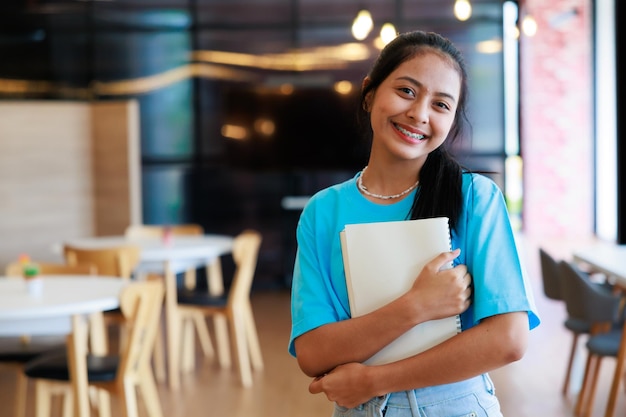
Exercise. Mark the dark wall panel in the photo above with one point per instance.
(245, 66)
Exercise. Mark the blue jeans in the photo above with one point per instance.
(474, 397)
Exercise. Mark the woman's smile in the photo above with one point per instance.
(411, 136)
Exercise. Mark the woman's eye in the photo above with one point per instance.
(407, 90)
(442, 105)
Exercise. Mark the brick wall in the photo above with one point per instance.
(556, 120)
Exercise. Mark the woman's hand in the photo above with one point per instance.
(347, 385)
(439, 293)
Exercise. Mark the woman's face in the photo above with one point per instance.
(412, 111)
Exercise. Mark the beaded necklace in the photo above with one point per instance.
(363, 188)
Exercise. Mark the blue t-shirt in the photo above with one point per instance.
(484, 234)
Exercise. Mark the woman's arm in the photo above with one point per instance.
(495, 342)
(435, 294)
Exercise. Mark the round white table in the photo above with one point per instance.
(182, 252)
(61, 298)
(61, 307)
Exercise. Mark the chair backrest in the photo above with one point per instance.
(141, 303)
(245, 254)
(14, 269)
(586, 300)
(550, 276)
(138, 231)
(118, 261)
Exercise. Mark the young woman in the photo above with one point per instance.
(415, 96)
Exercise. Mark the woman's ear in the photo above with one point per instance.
(367, 101)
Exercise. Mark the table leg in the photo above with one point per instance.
(158, 355)
(215, 282)
(215, 278)
(172, 323)
(188, 346)
(99, 347)
(77, 364)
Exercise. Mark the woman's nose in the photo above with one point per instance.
(418, 111)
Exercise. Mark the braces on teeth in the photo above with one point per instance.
(410, 134)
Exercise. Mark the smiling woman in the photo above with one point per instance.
(415, 99)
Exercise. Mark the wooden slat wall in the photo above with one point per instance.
(49, 186)
(116, 166)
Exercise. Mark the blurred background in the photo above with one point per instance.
(230, 113)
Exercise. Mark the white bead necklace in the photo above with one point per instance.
(363, 188)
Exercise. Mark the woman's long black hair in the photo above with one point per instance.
(440, 191)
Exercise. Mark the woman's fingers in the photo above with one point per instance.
(443, 260)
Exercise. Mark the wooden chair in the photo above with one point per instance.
(121, 375)
(602, 308)
(612, 345)
(117, 261)
(16, 352)
(551, 278)
(234, 305)
(197, 322)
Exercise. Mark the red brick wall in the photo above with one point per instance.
(556, 120)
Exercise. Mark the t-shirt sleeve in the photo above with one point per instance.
(499, 278)
(314, 301)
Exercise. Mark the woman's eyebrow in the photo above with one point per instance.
(420, 85)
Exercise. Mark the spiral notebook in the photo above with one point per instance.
(381, 261)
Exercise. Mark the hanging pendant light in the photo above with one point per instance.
(362, 25)
(388, 33)
(462, 9)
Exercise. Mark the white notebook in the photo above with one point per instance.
(382, 261)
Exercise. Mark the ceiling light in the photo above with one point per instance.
(529, 25)
(234, 132)
(491, 46)
(462, 9)
(362, 25)
(343, 87)
(388, 33)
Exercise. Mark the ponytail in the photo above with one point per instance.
(440, 192)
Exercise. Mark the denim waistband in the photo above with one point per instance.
(435, 394)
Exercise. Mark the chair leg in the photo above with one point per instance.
(51, 389)
(202, 330)
(20, 395)
(215, 283)
(221, 337)
(158, 355)
(580, 402)
(253, 339)
(617, 376)
(570, 363)
(159, 351)
(188, 351)
(43, 399)
(103, 402)
(592, 389)
(238, 333)
(68, 404)
(150, 395)
(128, 400)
